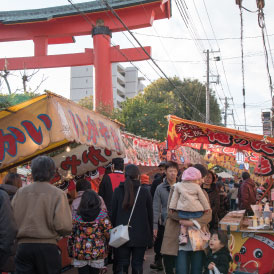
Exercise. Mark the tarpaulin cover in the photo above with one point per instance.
(49, 121)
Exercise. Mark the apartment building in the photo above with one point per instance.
(125, 82)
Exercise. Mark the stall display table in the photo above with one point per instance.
(252, 250)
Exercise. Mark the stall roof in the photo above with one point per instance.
(181, 131)
(184, 132)
(47, 122)
(7, 111)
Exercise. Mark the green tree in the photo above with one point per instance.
(145, 114)
(7, 100)
(87, 102)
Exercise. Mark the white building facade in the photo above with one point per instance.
(125, 83)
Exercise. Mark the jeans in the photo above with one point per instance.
(38, 258)
(169, 263)
(233, 205)
(122, 259)
(190, 262)
(88, 270)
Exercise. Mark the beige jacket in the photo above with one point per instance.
(170, 245)
(42, 213)
(188, 196)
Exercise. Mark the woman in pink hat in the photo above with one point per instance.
(189, 200)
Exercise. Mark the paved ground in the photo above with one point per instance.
(147, 262)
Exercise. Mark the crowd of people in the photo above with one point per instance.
(33, 218)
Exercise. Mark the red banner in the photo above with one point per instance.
(182, 132)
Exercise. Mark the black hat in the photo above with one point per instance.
(202, 169)
(162, 164)
(117, 161)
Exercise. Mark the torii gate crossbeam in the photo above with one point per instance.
(59, 25)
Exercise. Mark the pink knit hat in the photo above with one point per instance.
(191, 174)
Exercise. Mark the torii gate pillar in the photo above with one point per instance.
(103, 94)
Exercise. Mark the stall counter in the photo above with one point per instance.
(252, 250)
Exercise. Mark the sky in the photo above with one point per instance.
(178, 54)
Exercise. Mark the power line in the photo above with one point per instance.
(138, 49)
(242, 54)
(160, 69)
(223, 67)
(200, 39)
(261, 22)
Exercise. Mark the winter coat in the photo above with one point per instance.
(214, 200)
(7, 228)
(42, 213)
(160, 200)
(170, 245)
(157, 181)
(141, 224)
(224, 205)
(9, 265)
(188, 196)
(233, 193)
(10, 189)
(247, 195)
(221, 259)
(89, 240)
(109, 183)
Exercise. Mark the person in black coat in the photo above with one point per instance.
(141, 224)
(218, 255)
(158, 178)
(7, 227)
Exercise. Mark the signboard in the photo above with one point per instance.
(49, 121)
(79, 160)
(140, 151)
(230, 163)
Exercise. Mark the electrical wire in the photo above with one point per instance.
(202, 39)
(154, 62)
(261, 22)
(242, 61)
(223, 67)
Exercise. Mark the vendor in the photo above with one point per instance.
(247, 193)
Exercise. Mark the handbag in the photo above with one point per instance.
(119, 234)
(198, 238)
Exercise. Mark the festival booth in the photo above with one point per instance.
(251, 238)
(50, 122)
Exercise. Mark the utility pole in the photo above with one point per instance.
(207, 89)
(226, 106)
(208, 83)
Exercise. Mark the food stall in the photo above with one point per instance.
(50, 122)
(251, 238)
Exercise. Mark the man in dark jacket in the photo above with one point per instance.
(158, 178)
(7, 227)
(112, 181)
(247, 193)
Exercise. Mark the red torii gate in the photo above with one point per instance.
(59, 25)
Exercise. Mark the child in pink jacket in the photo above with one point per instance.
(188, 199)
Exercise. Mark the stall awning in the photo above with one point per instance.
(182, 131)
(185, 132)
(49, 121)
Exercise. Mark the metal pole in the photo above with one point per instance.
(207, 89)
